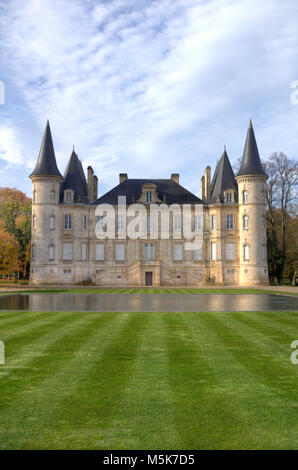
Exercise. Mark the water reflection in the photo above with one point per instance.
(148, 302)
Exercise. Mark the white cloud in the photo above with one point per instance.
(151, 87)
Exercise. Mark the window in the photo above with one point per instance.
(51, 252)
(244, 197)
(34, 222)
(177, 222)
(67, 222)
(230, 222)
(52, 196)
(148, 251)
(230, 251)
(246, 252)
(68, 198)
(229, 197)
(84, 223)
(197, 254)
(52, 222)
(198, 223)
(34, 196)
(148, 196)
(148, 223)
(245, 222)
(67, 251)
(177, 255)
(100, 252)
(84, 251)
(33, 254)
(99, 220)
(213, 224)
(213, 251)
(120, 224)
(120, 252)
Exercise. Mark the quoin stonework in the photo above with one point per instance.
(72, 240)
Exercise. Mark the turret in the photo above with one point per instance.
(46, 180)
(252, 215)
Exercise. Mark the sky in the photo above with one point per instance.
(145, 87)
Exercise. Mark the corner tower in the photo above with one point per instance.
(252, 215)
(46, 180)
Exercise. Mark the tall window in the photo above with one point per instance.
(177, 222)
(197, 222)
(213, 251)
(100, 252)
(230, 221)
(148, 196)
(67, 251)
(177, 252)
(246, 252)
(67, 222)
(245, 222)
(119, 253)
(230, 251)
(51, 252)
(33, 252)
(229, 197)
(84, 222)
(213, 223)
(52, 197)
(99, 220)
(244, 197)
(68, 198)
(52, 222)
(148, 223)
(149, 251)
(197, 254)
(120, 224)
(34, 222)
(84, 251)
(34, 196)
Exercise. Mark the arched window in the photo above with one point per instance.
(52, 222)
(34, 224)
(245, 222)
(246, 252)
(244, 197)
(51, 252)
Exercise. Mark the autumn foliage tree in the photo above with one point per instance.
(15, 227)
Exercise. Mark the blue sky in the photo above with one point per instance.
(145, 87)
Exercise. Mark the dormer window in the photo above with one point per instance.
(68, 198)
(229, 197)
(148, 196)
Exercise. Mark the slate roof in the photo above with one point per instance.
(223, 178)
(251, 163)
(74, 178)
(132, 188)
(46, 164)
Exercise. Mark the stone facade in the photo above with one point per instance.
(66, 250)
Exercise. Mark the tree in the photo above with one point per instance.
(281, 194)
(9, 255)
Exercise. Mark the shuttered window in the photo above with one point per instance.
(177, 255)
(67, 251)
(99, 256)
(120, 252)
(230, 251)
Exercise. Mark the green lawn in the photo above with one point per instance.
(148, 381)
(138, 290)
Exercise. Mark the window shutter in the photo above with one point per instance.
(67, 251)
(99, 252)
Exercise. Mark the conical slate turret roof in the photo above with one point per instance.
(74, 178)
(251, 163)
(223, 178)
(46, 164)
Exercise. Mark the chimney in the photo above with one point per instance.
(203, 188)
(207, 182)
(95, 188)
(175, 177)
(122, 177)
(90, 183)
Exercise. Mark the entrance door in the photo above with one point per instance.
(148, 278)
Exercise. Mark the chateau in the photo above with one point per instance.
(66, 249)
